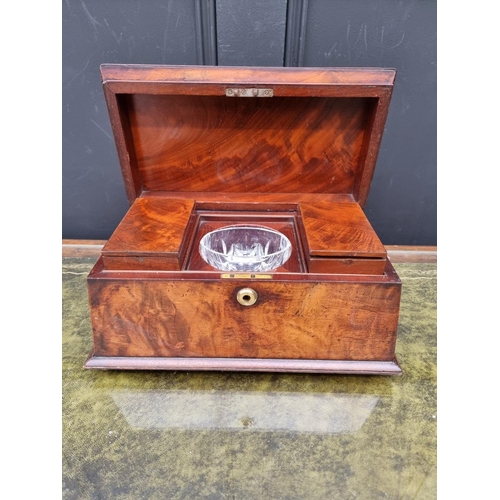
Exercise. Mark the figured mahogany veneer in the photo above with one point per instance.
(340, 239)
(296, 317)
(161, 233)
(177, 131)
(194, 159)
(150, 236)
(185, 143)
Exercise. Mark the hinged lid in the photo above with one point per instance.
(247, 130)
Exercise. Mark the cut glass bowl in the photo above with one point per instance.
(245, 248)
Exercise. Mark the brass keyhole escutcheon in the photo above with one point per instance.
(247, 296)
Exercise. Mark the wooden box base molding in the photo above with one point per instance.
(247, 365)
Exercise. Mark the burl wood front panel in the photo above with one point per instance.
(291, 320)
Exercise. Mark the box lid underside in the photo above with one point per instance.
(177, 131)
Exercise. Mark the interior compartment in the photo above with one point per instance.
(163, 234)
(284, 222)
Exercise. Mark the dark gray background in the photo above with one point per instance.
(377, 33)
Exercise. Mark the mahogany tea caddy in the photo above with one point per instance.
(289, 149)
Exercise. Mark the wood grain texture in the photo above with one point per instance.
(346, 266)
(176, 131)
(151, 235)
(370, 148)
(126, 154)
(338, 239)
(193, 143)
(339, 229)
(352, 77)
(253, 200)
(163, 233)
(291, 320)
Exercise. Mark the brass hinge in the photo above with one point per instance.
(249, 92)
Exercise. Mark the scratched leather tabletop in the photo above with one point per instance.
(208, 435)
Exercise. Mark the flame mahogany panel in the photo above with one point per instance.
(151, 235)
(278, 144)
(339, 229)
(156, 233)
(323, 122)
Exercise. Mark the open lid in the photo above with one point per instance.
(247, 130)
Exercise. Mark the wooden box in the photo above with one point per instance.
(292, 149)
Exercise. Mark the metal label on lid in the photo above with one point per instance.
(249, 92)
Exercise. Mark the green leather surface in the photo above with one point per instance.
(208, 435)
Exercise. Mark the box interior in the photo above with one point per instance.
(163, 233)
